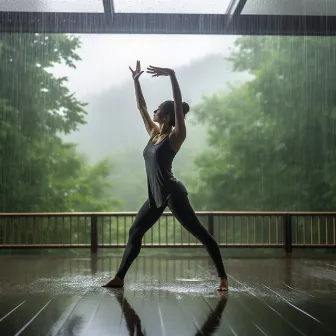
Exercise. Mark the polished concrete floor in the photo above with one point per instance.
(59, 295)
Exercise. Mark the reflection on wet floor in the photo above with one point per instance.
(57, 295)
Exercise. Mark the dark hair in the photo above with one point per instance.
(169, 106)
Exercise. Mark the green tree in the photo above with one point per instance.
(38, 171)
(272, 141)
(233, 173)
(73, 185)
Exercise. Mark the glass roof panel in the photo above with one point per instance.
(172, 6)
(85, 6)
(290, 7)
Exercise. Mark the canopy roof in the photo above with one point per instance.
(241, 17)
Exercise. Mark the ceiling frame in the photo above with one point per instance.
(233, 11)
(110, 22)
(108, 7)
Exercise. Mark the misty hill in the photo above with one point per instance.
(114, 123)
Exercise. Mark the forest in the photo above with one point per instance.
(261, 138)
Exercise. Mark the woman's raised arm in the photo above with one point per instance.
(151, 127)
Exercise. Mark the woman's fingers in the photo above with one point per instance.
(152, 70)
(154, 73)
(138, 74)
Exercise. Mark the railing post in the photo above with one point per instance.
(287, 233)
(94, 234)
(211, 224)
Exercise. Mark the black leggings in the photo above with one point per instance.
(179, 205)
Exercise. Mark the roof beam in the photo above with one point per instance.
(134, 23)
(122, 23)
(108, 7)
(233, 12)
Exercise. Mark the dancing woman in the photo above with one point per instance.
(167, 132)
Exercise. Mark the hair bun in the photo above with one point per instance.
(185, 107)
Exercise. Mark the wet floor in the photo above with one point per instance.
(57, 295)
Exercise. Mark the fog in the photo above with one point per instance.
(102, 78)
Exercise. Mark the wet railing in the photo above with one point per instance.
(230, 229)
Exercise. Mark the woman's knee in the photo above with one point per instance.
(207, 239)
(134, 235)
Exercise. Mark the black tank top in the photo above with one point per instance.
(160, 179)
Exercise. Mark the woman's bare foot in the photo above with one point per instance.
(115, 283)
(223, 284)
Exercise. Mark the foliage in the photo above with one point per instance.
(38, 171)
(85, 188)
(272, 140)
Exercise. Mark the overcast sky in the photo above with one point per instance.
(105, 58)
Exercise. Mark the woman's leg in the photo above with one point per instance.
(144, 220)
(180, 207)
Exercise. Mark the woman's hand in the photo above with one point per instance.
(156, 71)
(137, 73)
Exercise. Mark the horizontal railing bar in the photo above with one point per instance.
(313, 245)
(133, 213)
(191, 245)
(33, 246)
(169, 245)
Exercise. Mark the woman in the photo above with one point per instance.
(163, 188)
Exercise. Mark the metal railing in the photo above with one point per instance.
(230, 229)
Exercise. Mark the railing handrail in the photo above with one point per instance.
(202, 213)
(283, 220)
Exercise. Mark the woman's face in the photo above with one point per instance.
(160, 115)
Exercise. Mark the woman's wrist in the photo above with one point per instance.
(171, 73)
